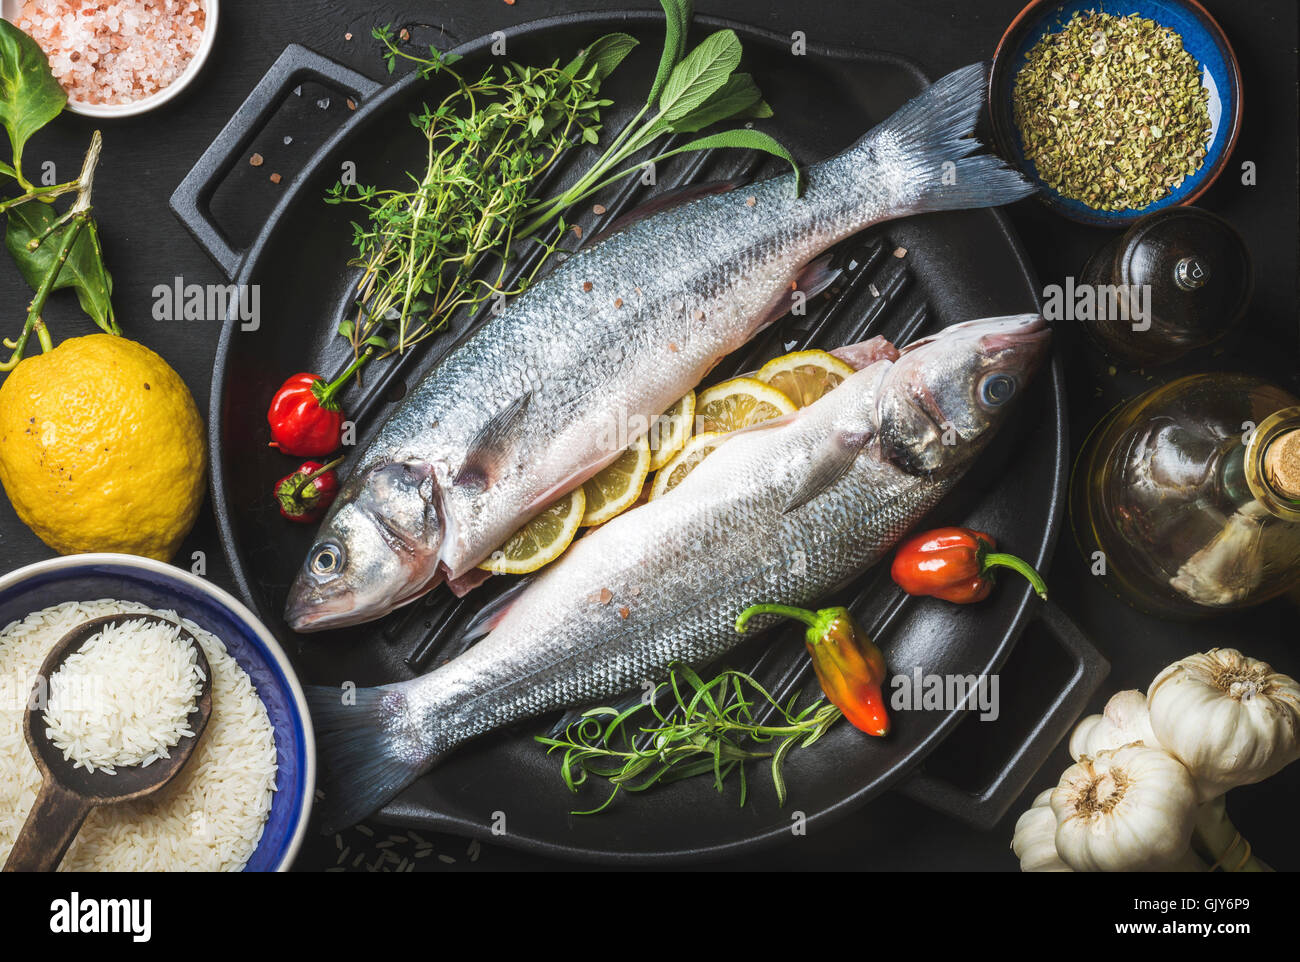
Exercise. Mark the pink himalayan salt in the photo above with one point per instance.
(115, 51)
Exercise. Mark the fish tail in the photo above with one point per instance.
(935, 132)
(367, 748)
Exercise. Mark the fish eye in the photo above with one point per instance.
(997, 389)
(327, 559)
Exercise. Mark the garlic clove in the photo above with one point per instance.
(1124, 721)
(1081, 737)
(1230, 719)
(1035, 838)
(1127, 809)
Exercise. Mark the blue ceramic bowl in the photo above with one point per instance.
(1202, 38)
(89, 577)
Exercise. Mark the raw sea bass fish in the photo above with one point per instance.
(547, 394)
(784, 512)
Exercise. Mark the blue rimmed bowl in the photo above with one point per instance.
(89, 577)
(1202, 37)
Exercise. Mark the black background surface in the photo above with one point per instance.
(144, 159)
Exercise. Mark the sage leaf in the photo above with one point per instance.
(745, 139)
(30, 97)
(737, 98)
(678, 14)
(700, 75)
(604, 53)
(83, 271)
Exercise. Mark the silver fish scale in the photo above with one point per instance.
(704, 280)
(665, 582)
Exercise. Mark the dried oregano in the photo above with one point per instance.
(1112, 111)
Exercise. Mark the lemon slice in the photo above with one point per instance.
(617, 486)
(687, 460)
(668, 435)
(542, 539)
(805, 376)
(738, 403)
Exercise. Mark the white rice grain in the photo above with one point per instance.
(124, 697)
(210, 818)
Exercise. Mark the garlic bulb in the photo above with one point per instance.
(1035, 839)
(1129, 809)
(1122, 722)
(1230, 719)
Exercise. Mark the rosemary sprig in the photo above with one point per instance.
(706, 727)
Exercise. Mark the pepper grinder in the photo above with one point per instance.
(1197, 278)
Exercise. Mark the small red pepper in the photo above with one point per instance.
(307, 494)
(306, 420)
(848, 664)
(955, 564)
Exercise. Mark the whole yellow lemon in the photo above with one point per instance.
(101, 448)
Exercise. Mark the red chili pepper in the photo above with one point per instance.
(305, 419)
(307, 494)
(848, 664)
(955, 564)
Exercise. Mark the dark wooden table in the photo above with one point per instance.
(146, 157)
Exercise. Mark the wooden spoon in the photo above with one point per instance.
(69, 794)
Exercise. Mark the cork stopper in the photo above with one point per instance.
(1282, 465)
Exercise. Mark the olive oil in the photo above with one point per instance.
(1186, 499)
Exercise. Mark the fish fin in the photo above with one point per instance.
(813, 278)
(483, 459)
(866, 353)
(490, 615)
(364, 761)
(829, 463)
(462, 585)
(938, 127)
(666, 201)
(817, 275)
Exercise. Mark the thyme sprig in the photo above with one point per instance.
(486, 143)
(688, 727)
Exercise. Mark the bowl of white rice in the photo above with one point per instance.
(243, 800)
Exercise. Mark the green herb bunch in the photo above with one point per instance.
(487, 142)
(52, 250)
(691, 91)
(689, 727)
(422, 247)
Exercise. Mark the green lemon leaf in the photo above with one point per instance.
(700, 75)
(30, 97)
(83, 271)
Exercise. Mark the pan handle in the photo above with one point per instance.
(983, 810)
(191, 201)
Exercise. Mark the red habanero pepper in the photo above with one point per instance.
(849, 666)
(955, 564)
(307, 494)
(306, 420)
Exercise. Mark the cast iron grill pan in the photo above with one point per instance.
(901, 280)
